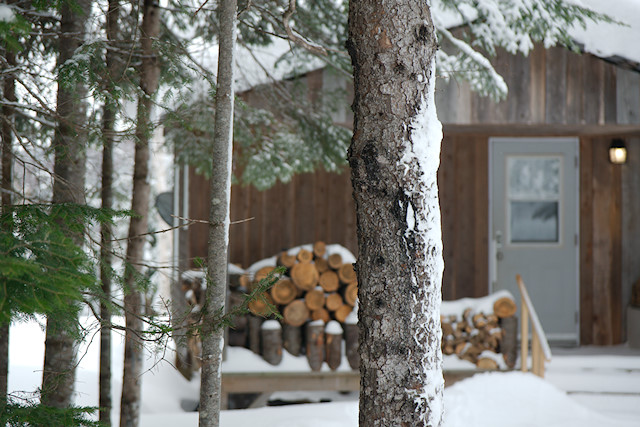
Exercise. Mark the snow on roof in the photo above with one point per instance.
(259, 65)
(612, 40)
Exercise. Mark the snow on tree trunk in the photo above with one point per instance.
(69, 145)
(212, 330)
(394, 157)
(138, 226)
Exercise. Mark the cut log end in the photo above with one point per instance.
(296, 313)
(505, 307)
(304, 276)
(304, 255)
(329, 281)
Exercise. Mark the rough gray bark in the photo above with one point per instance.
(212, 332)
(392, 45)
(106, 194)
(138, 226)
(68, 187)
(8, 93)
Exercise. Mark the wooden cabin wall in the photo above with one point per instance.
(550, 86)
(463, 190)
(313, 206)
(630, 222)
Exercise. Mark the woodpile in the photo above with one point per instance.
(480, 337)
(316, 298)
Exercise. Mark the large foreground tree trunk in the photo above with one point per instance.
(68, 187)
(138, 226)
(394, 158)
(212, 331)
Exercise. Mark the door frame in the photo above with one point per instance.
(492, 260)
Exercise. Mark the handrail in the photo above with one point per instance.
(540, 351)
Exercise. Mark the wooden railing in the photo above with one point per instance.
(540, 351)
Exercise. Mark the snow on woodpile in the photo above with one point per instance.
(482, 331)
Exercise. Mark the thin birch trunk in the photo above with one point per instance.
(69, 145)
(106, 193)
(212, 331)
(149, 79)
(392, 45)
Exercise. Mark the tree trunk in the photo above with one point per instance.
(9, 93)
(212, 331)
(106, 193)
(394, 157)
(149, 79)
(69, 144)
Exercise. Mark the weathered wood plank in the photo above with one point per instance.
(481, 217)
(556, 84)
(464, 162)
(574, 89)
(630, 223)
(628, 96)
(537, 84)
(447, 195)
(586, 241)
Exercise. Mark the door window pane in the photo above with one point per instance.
(534, 222)
(533, 193)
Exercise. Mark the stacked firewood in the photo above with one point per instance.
(478, 337)
(315, 298)
(314, 287)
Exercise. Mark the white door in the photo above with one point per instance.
(534, 226)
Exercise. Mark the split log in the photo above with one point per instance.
(487, 363)
(255, 325)
(286, 260)
(333, 344)
(292, 339)
(304, 275)
(260, 305)
(342, 313)
(479, 321)
(271, 335)
(321, 314)
(304, 255)
(321, 265)
(334, 301)
(315, 344)
(284, 291)
(296, 313)
(319, 249)
(335, 261)
(351, 294)
(329, 281)
(314, 298)
(351, 344)
(509, 344)
(505, 307)
(347, 274)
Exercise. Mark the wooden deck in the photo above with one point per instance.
(267, 383)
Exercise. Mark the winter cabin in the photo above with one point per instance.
(526, 187)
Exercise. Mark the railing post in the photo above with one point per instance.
(524, 336)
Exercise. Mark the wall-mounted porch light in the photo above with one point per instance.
(618, 152)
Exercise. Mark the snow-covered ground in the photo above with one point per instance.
(586, 387)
